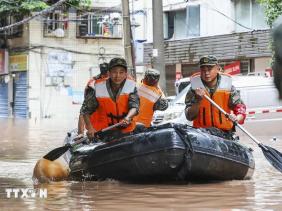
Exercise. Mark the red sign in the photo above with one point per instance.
(178, 75)
(233, 68)
(269, 72)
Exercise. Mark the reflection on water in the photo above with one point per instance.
(24, 142)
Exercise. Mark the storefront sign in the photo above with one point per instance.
(18, 62)
(2, 62)
(233, 68)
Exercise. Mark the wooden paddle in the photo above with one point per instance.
(272, 155)
(58, 152)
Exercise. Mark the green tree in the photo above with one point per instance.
(25, 7)
(273, 8)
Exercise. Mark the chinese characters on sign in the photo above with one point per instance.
(233, 68)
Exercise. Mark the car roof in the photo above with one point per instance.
(183, 80)
(250, 81)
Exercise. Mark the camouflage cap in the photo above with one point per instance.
(153, 72)
(151, 77)
(208, 60)
(117, 62)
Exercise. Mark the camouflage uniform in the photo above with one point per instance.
(90, 103)
(235, 102)
(161, 104)
(151, 78)
(234, 99)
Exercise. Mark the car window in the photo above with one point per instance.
(183, 85)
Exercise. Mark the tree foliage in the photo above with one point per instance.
(273, 8)
(25, 7)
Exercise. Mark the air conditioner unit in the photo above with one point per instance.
(83, 30)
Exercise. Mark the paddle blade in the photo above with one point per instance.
(273, 156)
(56, 153)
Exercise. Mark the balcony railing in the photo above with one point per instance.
(95, 25)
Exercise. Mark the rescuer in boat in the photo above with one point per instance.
(104, 75)
(115, 100)
(151, 98)
(218, 86)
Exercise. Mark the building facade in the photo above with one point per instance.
(235, 31)
(51, 58)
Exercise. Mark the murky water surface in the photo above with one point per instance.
(23, 142)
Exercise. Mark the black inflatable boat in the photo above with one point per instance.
(171, 152)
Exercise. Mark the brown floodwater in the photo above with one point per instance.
(23, 142)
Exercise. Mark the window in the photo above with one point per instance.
(250, 14)
(16, 31)
(193, 20)
(180, 25)
(184, 23)
(100, 25)
(55, 24)
(169, 24)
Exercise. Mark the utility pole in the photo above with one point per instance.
(158, 41)
(128, 49)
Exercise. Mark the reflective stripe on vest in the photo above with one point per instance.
(208, 115)
(102, 91)
(114, 111)
(150, 93)
(225, 82)
(148, 97)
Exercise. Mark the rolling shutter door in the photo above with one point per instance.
(20, 95)
(3, 99)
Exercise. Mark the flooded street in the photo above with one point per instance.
(23, 142)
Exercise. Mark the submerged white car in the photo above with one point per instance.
(174, 112)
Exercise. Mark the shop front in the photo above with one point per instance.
(18, 69)
(4, 105)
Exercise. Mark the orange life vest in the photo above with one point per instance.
(148, 95)
(95, 117)
(110, 111)
(208, 115)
